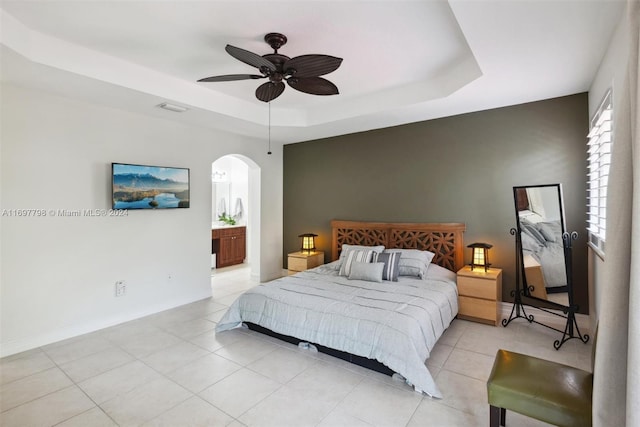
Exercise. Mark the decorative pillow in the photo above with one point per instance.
(391, 264)
(552, 231)
(354, 256)
(530, 229)
(347, 248)
(371, 272)
(413, 262)
(529, 243)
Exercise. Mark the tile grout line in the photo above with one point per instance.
(73, 384)
(83, 392)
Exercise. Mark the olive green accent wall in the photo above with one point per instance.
(455, 169)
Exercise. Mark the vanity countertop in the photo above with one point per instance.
(217, 226)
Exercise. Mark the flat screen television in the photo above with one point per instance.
(149, 187)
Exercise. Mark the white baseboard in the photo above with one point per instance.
(28, 343)
(583, 320)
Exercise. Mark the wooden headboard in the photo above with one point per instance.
(443, 239)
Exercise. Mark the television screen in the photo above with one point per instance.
(149, 187)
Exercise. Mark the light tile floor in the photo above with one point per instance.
(172, 369)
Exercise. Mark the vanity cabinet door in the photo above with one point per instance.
(230, 246)
(238, 248)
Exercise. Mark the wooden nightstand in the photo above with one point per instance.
(479, 293)
(301, 261)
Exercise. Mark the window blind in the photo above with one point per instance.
(599, 161)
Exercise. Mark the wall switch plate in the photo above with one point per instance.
(121, 288)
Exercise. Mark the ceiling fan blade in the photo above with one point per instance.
(269, 91)
(312, 65)
(231, 77)
(250, 58)
(313, 85)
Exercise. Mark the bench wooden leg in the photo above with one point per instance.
(495, 416)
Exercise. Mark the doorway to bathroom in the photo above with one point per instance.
(235, 229)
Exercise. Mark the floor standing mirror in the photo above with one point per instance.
(543, 259)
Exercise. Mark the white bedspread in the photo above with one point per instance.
(396, 323)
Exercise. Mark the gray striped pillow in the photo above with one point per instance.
(414, 262)
(354, 256)
(391, 264)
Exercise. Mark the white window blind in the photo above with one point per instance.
(599, 159)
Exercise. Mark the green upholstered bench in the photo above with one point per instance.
(547, 391)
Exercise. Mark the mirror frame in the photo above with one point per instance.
(565, 242)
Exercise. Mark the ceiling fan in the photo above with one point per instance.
(301, 73)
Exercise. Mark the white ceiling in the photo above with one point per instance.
(404, 61)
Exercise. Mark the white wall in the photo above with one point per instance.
(58, 273)
(610, 75)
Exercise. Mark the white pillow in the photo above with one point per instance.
(369, 271)
(552, 231)
(533, 232)
(437, 272)
(413, 262)
(529, 243)
(346, 248)
(354, 256)
(333, 265)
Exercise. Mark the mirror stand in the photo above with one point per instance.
(571, 329)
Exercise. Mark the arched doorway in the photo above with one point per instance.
(235, 197)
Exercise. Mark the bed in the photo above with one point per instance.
(542, 241)
(386, 325)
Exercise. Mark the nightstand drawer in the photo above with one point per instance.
(300, 264)
(478, 308)
(301, 261)
(478, 288)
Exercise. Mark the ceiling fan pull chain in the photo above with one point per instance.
(269, 152)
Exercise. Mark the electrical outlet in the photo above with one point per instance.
(121, 288)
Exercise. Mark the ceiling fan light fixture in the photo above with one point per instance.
(173, 107)
(302, 73)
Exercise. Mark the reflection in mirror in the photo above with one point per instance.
(541, 225)
(222, 199)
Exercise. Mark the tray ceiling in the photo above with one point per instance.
(404, 61)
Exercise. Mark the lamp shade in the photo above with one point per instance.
(308, 242)
(480, 255)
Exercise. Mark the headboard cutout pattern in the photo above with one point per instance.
(440, 243)
(362, 236)
(443, 239)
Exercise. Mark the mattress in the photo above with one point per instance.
(395, 323)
